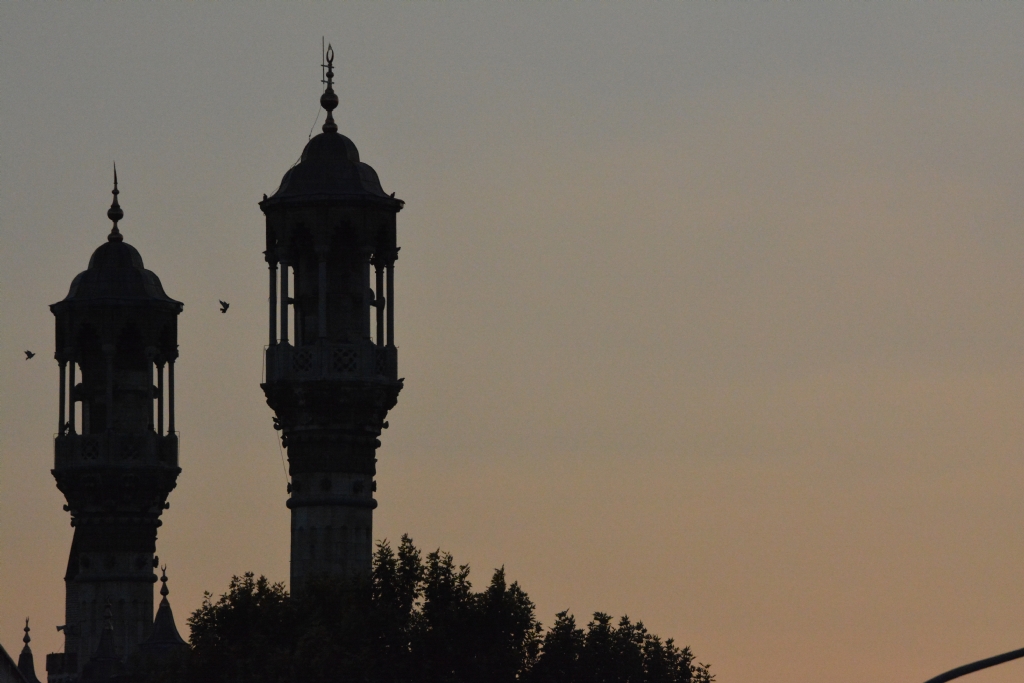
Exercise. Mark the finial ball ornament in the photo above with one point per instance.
(329, 100)
(115, 213)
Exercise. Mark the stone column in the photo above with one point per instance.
(273, 303)
(284, 302)
(63, 397)
(71, 415)
(170, 396)
(160, 398)
(390, 302)
(321, 311)
(381, 299)
(108, 351)
(152, 398)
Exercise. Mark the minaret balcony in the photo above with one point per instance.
(331, 361)
(74, 451)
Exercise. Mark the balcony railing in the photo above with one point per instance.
(325, 360)
(143, 450)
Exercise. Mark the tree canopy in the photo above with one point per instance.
(415, 620)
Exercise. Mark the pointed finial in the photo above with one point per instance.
(115, 213)
(163, 579)
(329, 100)
(27, 638)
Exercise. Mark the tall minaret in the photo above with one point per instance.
(331, 366)
(116, 458)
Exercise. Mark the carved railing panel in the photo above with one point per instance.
(361, 360)
(142, 450)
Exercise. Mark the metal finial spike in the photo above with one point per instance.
(329, 100)
(163, 589)
(115, 213)
(27, 638)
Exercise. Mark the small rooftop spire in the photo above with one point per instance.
(26, 663)
(164, 637)
(115, 213)
(105, 664)
(329, 100)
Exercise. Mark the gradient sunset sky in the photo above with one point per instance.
(711, 314)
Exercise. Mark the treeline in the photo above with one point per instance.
(417, 620)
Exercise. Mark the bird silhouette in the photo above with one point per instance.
(28, 355)
(224, 306)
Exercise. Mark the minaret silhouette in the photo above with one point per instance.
(114, 460)
(331, 365)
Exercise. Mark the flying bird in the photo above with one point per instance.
(28, 355)
(224, 306)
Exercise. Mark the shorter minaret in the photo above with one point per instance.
(26, 665)
(116, 451)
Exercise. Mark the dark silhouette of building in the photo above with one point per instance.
(22, 672)
(9, 671)
(331, 365)
(115, 459)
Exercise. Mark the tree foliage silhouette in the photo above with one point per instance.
(416, 620)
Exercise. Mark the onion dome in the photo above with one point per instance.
(116, 270)
(329, 168)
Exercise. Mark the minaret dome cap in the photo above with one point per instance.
(329, 168)
(116, 270)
